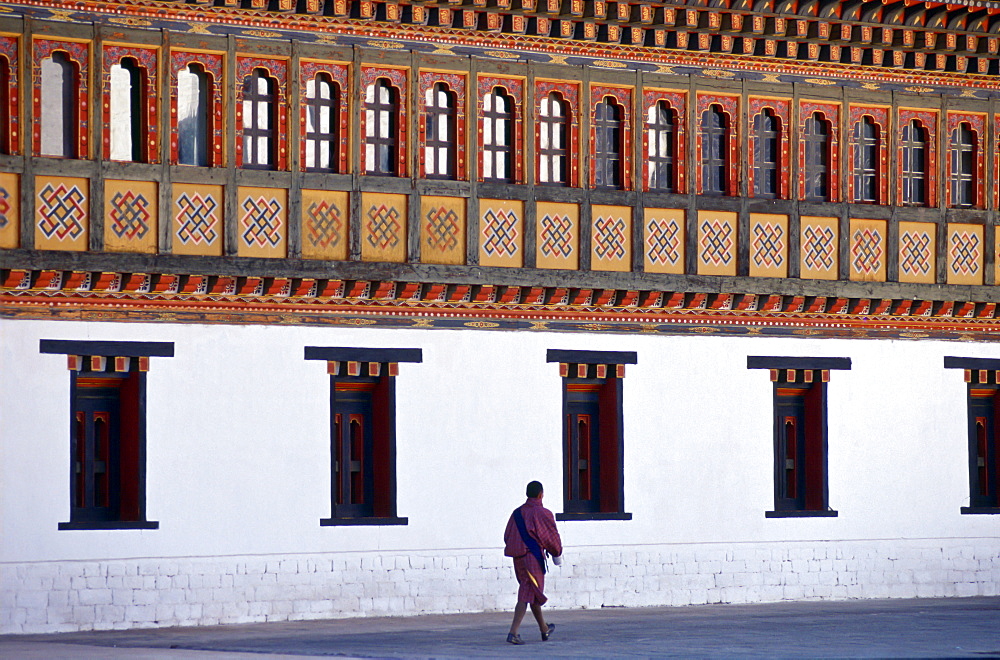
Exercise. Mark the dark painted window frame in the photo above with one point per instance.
(975, 364)
(801, 364)
(381, 356)
(617, 471)
(114, 349)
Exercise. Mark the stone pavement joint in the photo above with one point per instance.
(919, 628)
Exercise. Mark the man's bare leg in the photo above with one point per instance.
(537, 611)
(519, 611)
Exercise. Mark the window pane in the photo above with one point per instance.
(57, 110)
(121, 113)
(192, 117)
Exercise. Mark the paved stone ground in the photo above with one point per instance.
(922, 628)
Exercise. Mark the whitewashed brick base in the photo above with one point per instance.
(69, 596)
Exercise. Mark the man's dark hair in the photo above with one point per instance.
(534, 489)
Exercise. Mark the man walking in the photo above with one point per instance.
(531, 533)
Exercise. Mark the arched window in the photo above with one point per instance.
(608, 132)
(381, 132)
(128, 108)
(553, 138)
(913, 157)
(714, 133)
(259, 100)
(5, 142)
(661, 135)
(192, 116)
(765, 157)
(963, 166)
(498, 136)
(322, 125)
(816, 135)
(866, 142)
(59, 107)
(439, 141)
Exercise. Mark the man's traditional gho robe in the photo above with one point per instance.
(541, 526)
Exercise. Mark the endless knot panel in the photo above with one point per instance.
(768, 245)
(965, 252)
(500, 232)
(383, 227)
(5, 208)
(663, 240)
(610, 237)
(716, 242)
(61, 212)
(915, 252)
(819, 247)
(556, 237)
(323, 224)
(262, 221)
(196, 219)
(867, 251)
(130, 215)
(442, 229)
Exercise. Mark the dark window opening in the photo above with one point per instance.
(913, 154)
(984, 446)
(714, 138)
(766, 155)
(963, 167)
(661, 135)
(817, 167)
(381, 129)
(441, 115)
(5, 140)
(259, 103)
(498, 137)
(322, 124)
(866, 170)
(609, 132)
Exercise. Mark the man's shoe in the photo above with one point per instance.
(548, 633)
(515, 639)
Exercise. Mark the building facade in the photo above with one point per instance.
(295, 297)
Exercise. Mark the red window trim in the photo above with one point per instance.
(676, 101)
(8, 53)
(339, 74)
(213, 64)
(570, 93)
(78, 53)
(977, 124)
(830, 113)
(782, 110)
(456, 84)
(277, 70)
(623, 99)
(148, 61)
(880, 116)
(515, 89)
(730, 106)
(397, 78)
(928, 121)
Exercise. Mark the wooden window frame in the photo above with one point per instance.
(359, 375)
(913, 149)
(592, 382)
(145, 104)
(490, 151)
(879, 117)
(982, 378)
(816, 165)
(569, 95)
(119, 367)
(339, 78)
(928, 121)
(261, 102)
(676, 104)
(801, 478)
(456, 88)
(434, 116)
(977, 124)
(397, 80)
(830, 113)
(78, 54)
(514, 89)
(781, 111)
(276, 71)
(10, 138)
(621, 99)
(212, 64)
(728, 106)
(766, 172)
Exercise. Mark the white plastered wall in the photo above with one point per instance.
(238, 474)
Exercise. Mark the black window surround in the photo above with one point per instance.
(593, 438)
(363, 432)
(984, 434)
(800, 433)
(136, 475)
